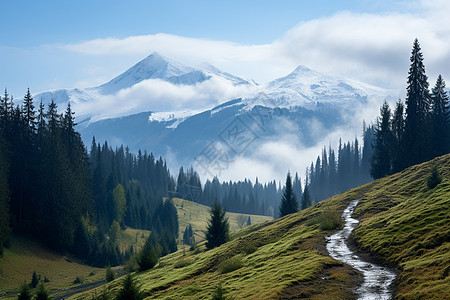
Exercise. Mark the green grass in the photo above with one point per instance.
(197, 215)
(411, 229)
(133, 237)
(27, 255)
(267, 260)
(402, 222)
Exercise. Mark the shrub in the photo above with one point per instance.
(249, 248)
(131, 265)
(327, 220)
(41, 293)
(110, 275)
(25, 292)
(78, 280)
(104, 295)
(129, 290)
(149, 256)
(434, 178)
(218, 294)
(231, 265)
(183, 263)
(34, 280)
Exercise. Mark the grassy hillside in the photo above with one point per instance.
(26, 255)
(269, 260)
(190, 212)
(408, 225)
(402, 222)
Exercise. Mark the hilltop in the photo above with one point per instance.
(402, 223)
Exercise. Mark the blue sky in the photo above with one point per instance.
(49, 44)
(33, 23)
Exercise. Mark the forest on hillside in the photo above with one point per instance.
(51, 189)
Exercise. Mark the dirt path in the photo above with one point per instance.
(377, 279)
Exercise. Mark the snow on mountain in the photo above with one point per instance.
(209, 82)
(305, 87)
(153, 66)
(175, 110)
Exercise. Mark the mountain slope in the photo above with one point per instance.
(401, 221)
(153, 67)
(174, 110)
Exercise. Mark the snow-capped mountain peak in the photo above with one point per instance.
(305, 86)
(154, 66)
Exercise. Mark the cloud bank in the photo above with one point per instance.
(368, 47)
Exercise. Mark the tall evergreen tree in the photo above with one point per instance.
(4, 193)
(440, 137)
(398, 128)
(306, 198)
(28, 111)
(416, 138)
(218, 228)
(289, 202)
(382, 158)
(129, 290)
(188, 235)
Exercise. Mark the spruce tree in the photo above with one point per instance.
(289, 202)
(149, 255)
(381, 164)
(416, 138)
(398, 128)
(306, 198)
(218, 228)
(188, 236)
(439, 119)
(4, 193)
(41, 293)
(28, 111)
(129, 290)
(24, 292)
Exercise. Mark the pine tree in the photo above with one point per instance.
(398, 128)
(218, 228)
(5, 109)
(440, 137)
(289, 202)
(249, 221)
(149, 255)
(382, 158)
(28, 111)
(120, 203)
(306, 198)
(188, 235)
(25, 292)
(416, 138)
(41, 293)
(34, 280)
(129, 290)
(4, 193)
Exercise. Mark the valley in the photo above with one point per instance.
(258, 262)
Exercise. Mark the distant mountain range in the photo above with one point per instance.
(295, 103)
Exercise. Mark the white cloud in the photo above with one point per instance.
(368, 47)
(161, 96)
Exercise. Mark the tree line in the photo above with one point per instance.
(416, 131)
(51, 189)
(241, 197)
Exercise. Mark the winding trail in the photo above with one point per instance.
(377, 279)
